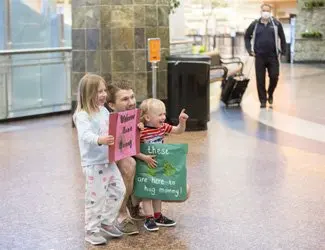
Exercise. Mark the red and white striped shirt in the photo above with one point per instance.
(155, 135)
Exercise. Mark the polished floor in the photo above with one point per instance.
(257, 177)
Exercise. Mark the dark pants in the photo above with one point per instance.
(270, 63)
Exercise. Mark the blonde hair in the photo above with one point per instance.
(87, 93)
(149, 105)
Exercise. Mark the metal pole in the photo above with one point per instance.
(8, 42)
(8, 62)
(60, 16)
(233, 47)
(154, 79)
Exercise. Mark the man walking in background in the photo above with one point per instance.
(262, 41)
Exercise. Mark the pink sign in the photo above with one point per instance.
(123, 126)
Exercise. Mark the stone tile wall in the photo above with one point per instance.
(309, 49)
(109, 37)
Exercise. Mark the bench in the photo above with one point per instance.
(221, 68)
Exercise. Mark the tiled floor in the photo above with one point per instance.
(257, 177)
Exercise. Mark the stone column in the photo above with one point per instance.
(309, 49)
(109, 38)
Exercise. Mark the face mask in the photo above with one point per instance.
(266, 14)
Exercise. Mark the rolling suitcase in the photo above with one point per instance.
(233, 89)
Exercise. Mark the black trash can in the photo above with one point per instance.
(189, 88)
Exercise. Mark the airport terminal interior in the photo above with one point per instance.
(257, 176)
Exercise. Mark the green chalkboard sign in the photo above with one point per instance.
(168, 180)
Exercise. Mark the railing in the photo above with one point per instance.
(34, 51)
(34, 81)
(224, 43)
(181, 47)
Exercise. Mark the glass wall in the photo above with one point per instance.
(35, 82)
(39, 24)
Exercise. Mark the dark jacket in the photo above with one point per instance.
(265, 38)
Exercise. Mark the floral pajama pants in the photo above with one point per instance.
(104, 195)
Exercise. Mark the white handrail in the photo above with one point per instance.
(34, 51)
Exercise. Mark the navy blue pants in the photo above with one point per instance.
(271, 64)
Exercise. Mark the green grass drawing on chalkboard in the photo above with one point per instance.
(169, 170)
(151, 171)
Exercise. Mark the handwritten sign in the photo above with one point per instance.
(123, 126)
(154, 50)
(168, 180)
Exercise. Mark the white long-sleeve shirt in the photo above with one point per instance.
(90, 127)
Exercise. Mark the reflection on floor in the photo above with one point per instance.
(257, 177)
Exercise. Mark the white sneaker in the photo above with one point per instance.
(111, 230)
(95, 239)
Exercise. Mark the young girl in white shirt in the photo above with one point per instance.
(104, 184)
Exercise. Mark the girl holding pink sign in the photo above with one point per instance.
(105, 188)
